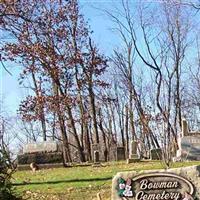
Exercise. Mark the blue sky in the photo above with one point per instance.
(11, 92)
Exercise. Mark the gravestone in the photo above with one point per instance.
(95, 147)
(96, 159)
(189, 143)
(96, 156)
(120, 153)
(133, 157)
(171, 184)
(156, 154)
(112, 156)
(190, 147)
(185, 130)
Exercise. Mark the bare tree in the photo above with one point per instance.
(164, 42)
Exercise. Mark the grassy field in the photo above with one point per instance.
(75, 183)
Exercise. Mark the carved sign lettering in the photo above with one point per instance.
(156, 186)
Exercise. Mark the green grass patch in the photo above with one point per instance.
(67, 183)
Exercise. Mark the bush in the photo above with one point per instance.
(40, 158)
(6, 170)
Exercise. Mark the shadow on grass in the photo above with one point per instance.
(63, 181)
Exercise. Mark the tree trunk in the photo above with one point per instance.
(104, 136)
(41, 108)
(126, 131)
(93, 109)
(66, 149)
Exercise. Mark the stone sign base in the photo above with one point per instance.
(173, 184)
